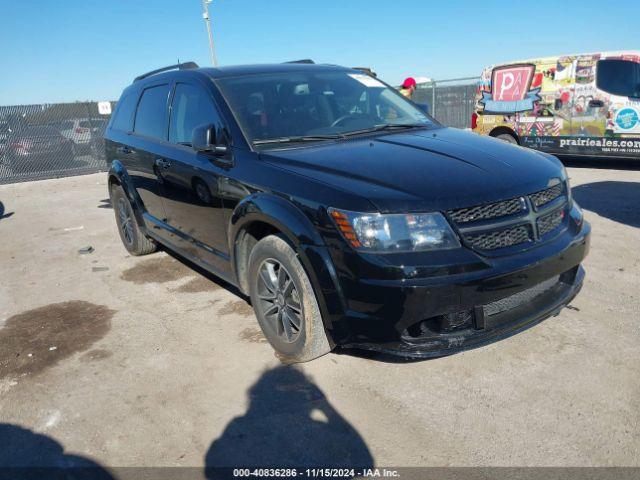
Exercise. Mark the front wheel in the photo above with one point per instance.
(284, 302)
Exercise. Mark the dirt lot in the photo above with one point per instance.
(142, 361)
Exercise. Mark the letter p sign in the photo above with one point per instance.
(511, 83)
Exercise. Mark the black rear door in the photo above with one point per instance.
(147, 144)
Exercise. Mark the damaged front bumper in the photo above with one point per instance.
(488, 328)
(439, 317)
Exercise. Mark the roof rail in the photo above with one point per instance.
(178, 66)
(305, 60)
(366, 70)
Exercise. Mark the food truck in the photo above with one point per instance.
(587, 104)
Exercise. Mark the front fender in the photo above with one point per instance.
(309, 245)
(275, 211)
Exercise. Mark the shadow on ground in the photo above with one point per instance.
(2, 212)
(205, 273)
(617, 201)
(289, 423)
(28, 455)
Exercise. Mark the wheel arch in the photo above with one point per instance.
(502, 130)
(262, 214)
(118, 176)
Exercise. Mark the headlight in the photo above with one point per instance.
(395, 233)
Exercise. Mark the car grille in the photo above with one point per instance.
(486, 212)
(515, 221)
(545, 196)
(500, 238)
(550, 222)
(520, 298)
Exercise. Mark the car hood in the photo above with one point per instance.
(423, 170)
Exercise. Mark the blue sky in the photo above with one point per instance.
(68, 50)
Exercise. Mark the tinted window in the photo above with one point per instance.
(315, 103)
(150, 116)
(191, 106)
(619, 77)
(123, 119)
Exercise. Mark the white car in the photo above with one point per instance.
(80, 130)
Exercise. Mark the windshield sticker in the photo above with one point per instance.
(366, 80)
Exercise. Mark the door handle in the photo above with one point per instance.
(124, 150)
(163, 163)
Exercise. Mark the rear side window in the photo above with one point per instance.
(150, 116)
(123, 119)
(619, 77)
(191, 107)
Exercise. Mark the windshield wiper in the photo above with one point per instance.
(315, 138)
(386, 126)
(301, 138)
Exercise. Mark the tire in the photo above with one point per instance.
(282, 296)
(202, 192)
(132, 237)
(507, 137)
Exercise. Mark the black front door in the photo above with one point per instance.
(191, 180)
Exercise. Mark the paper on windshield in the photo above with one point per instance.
(366, 80)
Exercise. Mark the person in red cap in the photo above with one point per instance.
(408, 87)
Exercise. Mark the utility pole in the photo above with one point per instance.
(207, 21)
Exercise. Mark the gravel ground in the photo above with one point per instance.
(127, 361)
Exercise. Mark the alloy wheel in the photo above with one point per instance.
(280, 300)
(126, 222)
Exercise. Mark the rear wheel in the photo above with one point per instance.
(284, 302)
(132, 237)
(507, 137)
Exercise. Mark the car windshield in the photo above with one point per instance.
(315, 106)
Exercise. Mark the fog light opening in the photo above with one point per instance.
(441, 324)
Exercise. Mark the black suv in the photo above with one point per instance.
(348, 215)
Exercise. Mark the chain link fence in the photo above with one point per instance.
(65, 139)
(451, 102)
(52, 140)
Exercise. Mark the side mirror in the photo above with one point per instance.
(203, 139)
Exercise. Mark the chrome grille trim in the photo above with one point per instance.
(512, 222)
(488, 211)
(550, 222)
(547, 195)
(500, 238)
